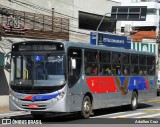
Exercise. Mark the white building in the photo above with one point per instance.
(84, 17)
(152, 18)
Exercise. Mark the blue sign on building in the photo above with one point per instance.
(110, 40)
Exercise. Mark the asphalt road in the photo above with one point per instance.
(146, 112)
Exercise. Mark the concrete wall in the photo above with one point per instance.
(91, 6)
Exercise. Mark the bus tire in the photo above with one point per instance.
(86, 109)
(37, 115)
(134, 101)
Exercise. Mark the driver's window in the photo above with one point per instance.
(74, 65)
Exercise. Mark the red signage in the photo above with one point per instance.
(13, 25)
(33, 105)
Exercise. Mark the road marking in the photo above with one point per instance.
(150, 111)
(133, 114)
(108, 115)
(156, 109)
(152, 101)
(149, 116)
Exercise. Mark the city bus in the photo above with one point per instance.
(48, 76)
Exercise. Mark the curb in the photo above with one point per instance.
(13, 114)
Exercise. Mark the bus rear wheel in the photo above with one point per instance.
(134, 101)
(86, 107)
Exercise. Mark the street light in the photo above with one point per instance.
(101, 21)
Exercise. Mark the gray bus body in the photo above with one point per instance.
(103, 90)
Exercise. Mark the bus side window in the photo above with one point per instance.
(116, 69)
(135, 70)
(151, 65)
(91, 62)
(126, 70)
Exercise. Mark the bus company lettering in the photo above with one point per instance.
(113, 40)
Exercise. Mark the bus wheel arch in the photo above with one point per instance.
(90, 95)
(86, 108)
(134, 100)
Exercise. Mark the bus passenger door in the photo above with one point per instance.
(74, 80)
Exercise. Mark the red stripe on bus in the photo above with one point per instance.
(28, 98)
(101, 84)
(147, 83)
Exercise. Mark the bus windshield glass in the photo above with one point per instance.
(38, 70)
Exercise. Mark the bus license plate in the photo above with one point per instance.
(33, 105)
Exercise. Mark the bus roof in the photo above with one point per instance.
(105, 48)
(89, 46)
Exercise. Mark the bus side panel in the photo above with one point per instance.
(75, 96)
(116, 91)
(150, 92)
(108, 91)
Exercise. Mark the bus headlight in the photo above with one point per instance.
(58, 97)
(14, 98)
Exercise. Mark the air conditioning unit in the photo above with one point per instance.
(127, 29)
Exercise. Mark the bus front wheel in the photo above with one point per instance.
(134, 101)
(86, 107)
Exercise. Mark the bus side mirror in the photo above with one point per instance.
(7, 61)
(73, 63)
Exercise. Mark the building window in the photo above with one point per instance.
(151, 11)
(90, 21)
(122, 29)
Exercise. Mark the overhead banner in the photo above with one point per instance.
(110, 40)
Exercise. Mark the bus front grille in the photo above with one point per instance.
(35, 89)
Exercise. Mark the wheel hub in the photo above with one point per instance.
(134, 101)
(87, 106)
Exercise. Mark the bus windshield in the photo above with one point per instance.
(38, 70)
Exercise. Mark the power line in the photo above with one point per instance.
(72, 26)
(44, 9)
(56, 27)
(49, 11)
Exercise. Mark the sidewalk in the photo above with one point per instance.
(4, 110)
